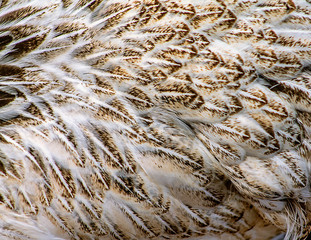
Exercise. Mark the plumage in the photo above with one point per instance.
(155, 119)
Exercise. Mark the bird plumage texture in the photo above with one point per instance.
(151, 119)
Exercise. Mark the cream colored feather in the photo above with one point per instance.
(155, 119)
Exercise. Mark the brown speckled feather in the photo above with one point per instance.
(151, 119)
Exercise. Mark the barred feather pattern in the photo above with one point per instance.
(155, 119)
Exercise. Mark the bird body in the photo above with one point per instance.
(155, 119)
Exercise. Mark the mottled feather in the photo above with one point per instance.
(151, 119)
